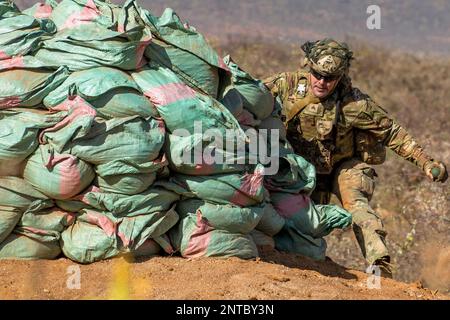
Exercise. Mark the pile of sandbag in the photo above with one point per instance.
(111, 124)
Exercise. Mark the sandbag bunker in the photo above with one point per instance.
(93, 101)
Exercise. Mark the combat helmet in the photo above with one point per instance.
(327, 57)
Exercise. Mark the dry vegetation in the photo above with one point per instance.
(416, 212)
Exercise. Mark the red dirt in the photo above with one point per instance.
(276, 276)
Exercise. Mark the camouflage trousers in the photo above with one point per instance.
(353, 182)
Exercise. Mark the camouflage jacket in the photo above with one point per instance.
(344, 125)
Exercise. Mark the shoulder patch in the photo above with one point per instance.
(301, 89)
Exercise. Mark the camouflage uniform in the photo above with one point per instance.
(342, 135)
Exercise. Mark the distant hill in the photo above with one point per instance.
(413, 25)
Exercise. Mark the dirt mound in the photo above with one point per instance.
(275, 276)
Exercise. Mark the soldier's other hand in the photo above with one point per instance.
(436, 171)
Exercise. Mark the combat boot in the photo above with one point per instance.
(385, 266)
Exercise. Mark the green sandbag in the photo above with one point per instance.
(59, 176)
(87, 243)
(189, 155)
(125, 183)
(21, 34)
(179, 105)
(72, 13)
(193, 237)
(100, 235)
(41, 10)
(53, 219)
(22, 247)
(223, 217)
(132, 139)
(127, 177)
(9, 217)
(185, 51)
(239, 189)
(274, 123)
(16, 197)
(19, 131)
(151, 201)
(28, 87)
(262, 240)
(21, 62)
(196, 72)
(90, 46)
(17, 193)
(271, 222)
(256, 97)
(290, 239)
(8, 8)
(294, 175)
(313, 220)
(75, 13)
(112, 92)
(232, 100)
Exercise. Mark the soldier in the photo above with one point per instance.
(342, 131)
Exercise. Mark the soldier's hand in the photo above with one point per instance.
(436, 171)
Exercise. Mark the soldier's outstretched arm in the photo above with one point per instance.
(396, 138)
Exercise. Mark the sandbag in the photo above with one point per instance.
(112, 92)
(223, 217)
(21, 62)
(179, 105)
(41, 10)
(92, 46)
(73, 13)
(19, 131)
(17, 193)
(151, 201)
(18, 246)
(256, 97)
(125, 177)
(87, 243)
(271, 222)
(53, 219)
(239, 189)
(59, 176)
(95, 33)
(294, 175)
(181, 48)
(274, 123)
(135, 140)
(8, 8)
(193, 237)
(9, 217)
(262, 240)
(232, 100)
(191, 155)
(21, 34)
(77, 124)
(101, 235)
(310, 219)
(290, 239)
(28, 87)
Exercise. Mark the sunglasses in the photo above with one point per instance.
(318, 76)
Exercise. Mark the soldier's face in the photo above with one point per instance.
(322, 87)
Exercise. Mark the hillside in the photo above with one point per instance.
(412, 25)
